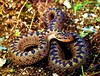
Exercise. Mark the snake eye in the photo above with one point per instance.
(65, 37)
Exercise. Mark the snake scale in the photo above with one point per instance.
(31, 47)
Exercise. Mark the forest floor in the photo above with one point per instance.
(20, 16)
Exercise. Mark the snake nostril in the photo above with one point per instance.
(59, 37)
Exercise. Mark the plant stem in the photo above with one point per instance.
(21, 9)
(32, 19)
(82, 70)
(96, 73)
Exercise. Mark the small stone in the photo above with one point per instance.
(97, 27)
(39, 70)
(76, 20)
(7, 37)
(29, 9)
(54, 74)
(78, 27)
(82, 22)
(24, 73)
(89, 15)
(8, 75)
(1, 39)
(2, 62)
(85, 15)
(2, 48)
(67, 4)
(93, 15)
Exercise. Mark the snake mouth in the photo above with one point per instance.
(51, 16)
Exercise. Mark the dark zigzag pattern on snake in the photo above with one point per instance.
(45, 45)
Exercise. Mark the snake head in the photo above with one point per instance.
(61, 36)
(51, 36)
(64, 37)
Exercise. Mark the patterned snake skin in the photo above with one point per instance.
(31, 47)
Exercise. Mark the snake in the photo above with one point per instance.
(31, 47)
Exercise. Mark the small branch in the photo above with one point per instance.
(32, 20)
(96, 73)
(21, 9)
(46, 2)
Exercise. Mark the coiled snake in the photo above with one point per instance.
(31, 47)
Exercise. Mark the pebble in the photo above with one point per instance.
(54, 74)
(2, 48)
(85, 15)
(67, 4)
(1, 39)
(76, 20)
(2, 62)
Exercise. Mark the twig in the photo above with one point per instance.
(46, 2)
(21, 9)
(3, 3)
(32, 20)
(94, 73)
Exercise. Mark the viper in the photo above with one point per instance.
(31, 47)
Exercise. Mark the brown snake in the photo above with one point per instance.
(31, 47)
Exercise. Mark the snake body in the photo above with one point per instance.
(31, 47)
(61, 65)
